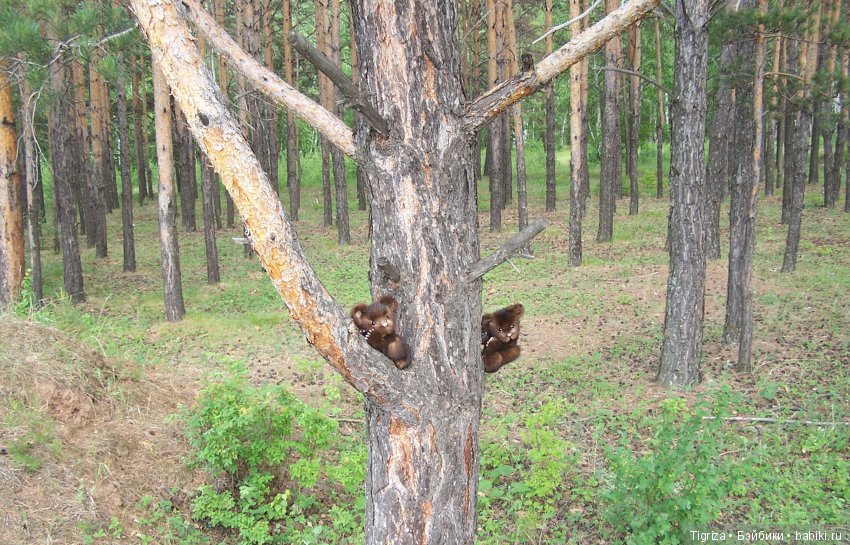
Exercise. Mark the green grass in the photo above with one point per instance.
(591, 343)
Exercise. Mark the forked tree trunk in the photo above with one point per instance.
(12, 262)
(681, 350)
(423, 422)
(167, 204)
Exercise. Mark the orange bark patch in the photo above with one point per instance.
(401, 439)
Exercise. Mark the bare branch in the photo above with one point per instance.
(324, 323)
(636, 74)
(506, 250)
(568, 23)
(302, 106)
(505, 95)
(343, 83)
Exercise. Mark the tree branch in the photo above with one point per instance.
(345, 85)
(568, 23)
(505, 251)
(324, 323)
(302, 106)
(638, 74)
(505, 95)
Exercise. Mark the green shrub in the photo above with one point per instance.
(262, 448)
(680, 484)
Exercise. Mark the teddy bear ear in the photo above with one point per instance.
(486, 320)
(517, 309)
(358, 310)
(390, 302)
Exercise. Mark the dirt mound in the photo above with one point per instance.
(82, 438)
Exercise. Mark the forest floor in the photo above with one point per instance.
(92, 396)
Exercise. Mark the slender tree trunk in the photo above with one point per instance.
(659, 121)
(476, 80)
(360, 173)
(207, 182)
(145, 139)
(340, 182)
(494, 150)
(62, 162)
(167, 207)
(791, 111)
(549, 134)
(808, 64)
(141, 155)
(33, 180)
(100, 201)
(12, 260)
(185, 163)
(271, 117)
(720, 136)
(108, 161)
(771, 129)
(326, 99)
(634, 118)
(831, 176)
(682, 347)
(841, 138)
(610, 174)
(519, 137)
(92, 209)
(223, 82)
(745, 347)
(578, 147)
(126, 181)
(293, 182)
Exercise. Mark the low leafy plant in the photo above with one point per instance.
(263, 449)
(677, 484)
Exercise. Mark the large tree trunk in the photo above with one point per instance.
(167, 205)
(422, 478)
(611, 172)
(126, 181)
(62, 163)
(682, 347)
(12, 261)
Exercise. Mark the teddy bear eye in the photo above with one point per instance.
(373, 322)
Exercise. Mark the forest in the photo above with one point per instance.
(258, 258)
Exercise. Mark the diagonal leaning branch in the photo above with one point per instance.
(330, 126)
(324, 323)
(505, 95)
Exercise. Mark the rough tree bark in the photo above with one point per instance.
(187, 183)
(422, 422)
(167, 203)
(681, 350)
(12, 261)
(744, 192)
(745, 346)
